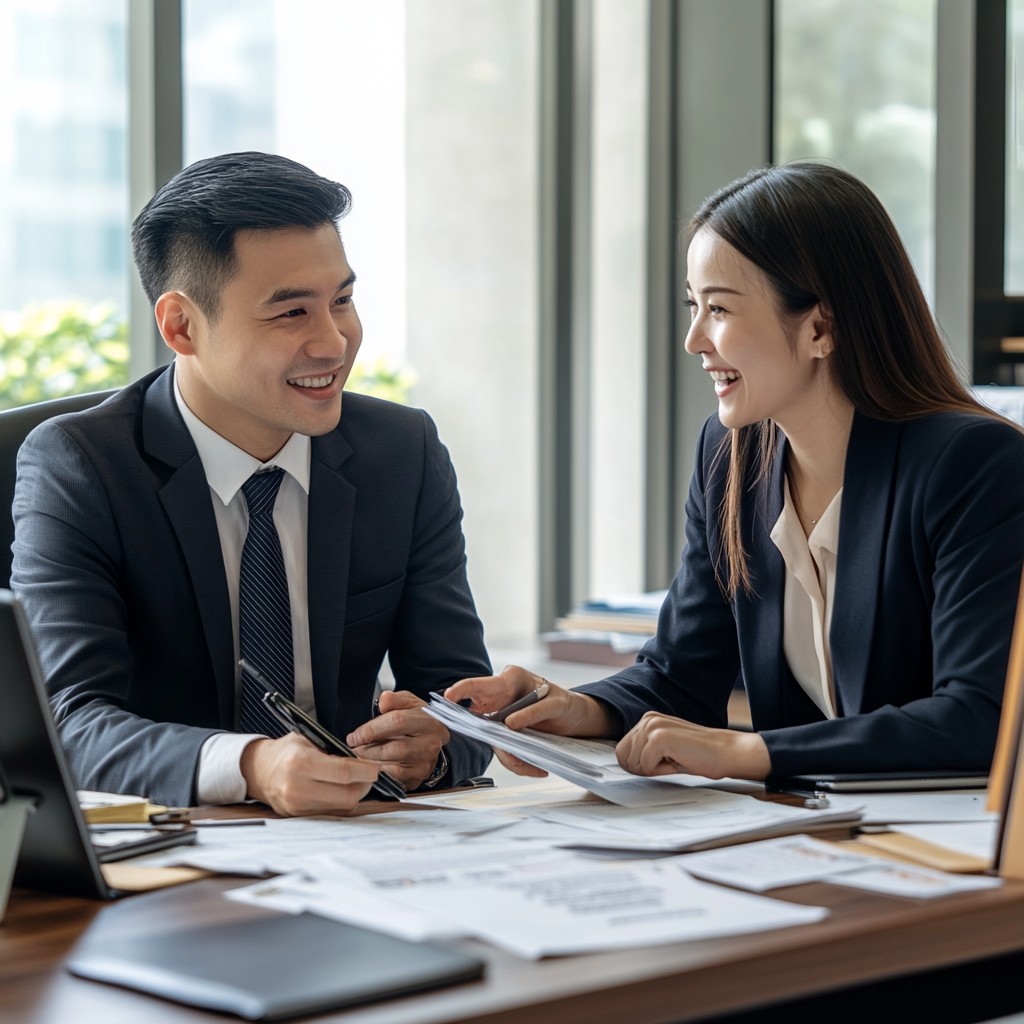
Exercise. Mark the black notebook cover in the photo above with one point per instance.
(879, 782)
(273, 968)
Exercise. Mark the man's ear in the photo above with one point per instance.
(178, 319)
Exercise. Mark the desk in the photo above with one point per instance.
(866, 939)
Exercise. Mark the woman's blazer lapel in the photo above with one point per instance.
(868, 487)
(759, 615)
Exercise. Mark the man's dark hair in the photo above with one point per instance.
(184, 238)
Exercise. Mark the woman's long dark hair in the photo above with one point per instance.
(821, 237)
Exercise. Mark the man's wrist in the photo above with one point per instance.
(439, 772)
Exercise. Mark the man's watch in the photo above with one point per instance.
(439, 772)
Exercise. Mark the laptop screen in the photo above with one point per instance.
(56, 853)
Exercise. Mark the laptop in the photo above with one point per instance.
(56, 851)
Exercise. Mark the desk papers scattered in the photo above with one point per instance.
(553, 872)
(772, 863)
(798, 859)
(288, 844)
(973, 838)
(913, 881)
(920, 806)
(700, 819)
(546, 903)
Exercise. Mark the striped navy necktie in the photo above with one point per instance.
(264, 612)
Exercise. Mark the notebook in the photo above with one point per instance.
(56, 852)
(258, 964)
(879, 782)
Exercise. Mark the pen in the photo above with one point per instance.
(536, 694)
(123, 826)
(816, 800)
(172, 826)
(293, 717)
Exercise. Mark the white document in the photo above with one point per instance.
(512, 799)
(975, 838)
(910, 880)
(533, 903)
(919, 806)
(544, 910)
(349, 900)
(587, 763)
(701, 819)
(283, 845)
(772, 863)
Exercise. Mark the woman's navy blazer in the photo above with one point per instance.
(931, 545)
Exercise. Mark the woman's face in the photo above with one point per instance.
(762, 366)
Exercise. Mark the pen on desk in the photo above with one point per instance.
(536, 694)
(816, 800)
(139, 826)
(176, 826)
(217, 822)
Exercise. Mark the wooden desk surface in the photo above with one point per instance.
(866, 938)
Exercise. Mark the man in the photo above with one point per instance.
(133, 552)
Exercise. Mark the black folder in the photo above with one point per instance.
(878, 782)
(272, 968)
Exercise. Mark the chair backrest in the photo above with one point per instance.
(15, 424)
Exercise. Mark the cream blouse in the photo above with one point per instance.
(810, 589)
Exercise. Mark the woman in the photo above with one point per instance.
(855, 522)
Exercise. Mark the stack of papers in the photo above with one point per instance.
(115, 808)
(587, 763)
(592, 765)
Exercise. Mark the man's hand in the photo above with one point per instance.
(402, 740)
(662, 745)
(560, 711)
(292, 776)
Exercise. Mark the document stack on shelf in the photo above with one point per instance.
(606, 631)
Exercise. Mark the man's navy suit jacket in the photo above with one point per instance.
(931, 545)
(118, 564)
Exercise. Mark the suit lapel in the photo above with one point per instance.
(332, 502)
(760, 615)
(863, 532)
(186, 499)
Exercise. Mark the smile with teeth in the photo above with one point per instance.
(313, 382)
(723, 378)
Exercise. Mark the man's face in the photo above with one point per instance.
(282, 346)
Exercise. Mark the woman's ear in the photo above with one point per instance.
(178, 319)
(823, 340)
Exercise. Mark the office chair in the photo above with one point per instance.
(15, 424)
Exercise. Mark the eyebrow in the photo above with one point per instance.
(712, 289)
(291, 294)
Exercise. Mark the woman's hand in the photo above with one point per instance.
(662, 745)
(561, 712)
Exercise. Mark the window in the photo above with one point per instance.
(855, 84)
(618, 317)
(63, 173)
(1014, 270)
(427, 112)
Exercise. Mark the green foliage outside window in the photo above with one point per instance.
(70, 348)
(60, 349)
